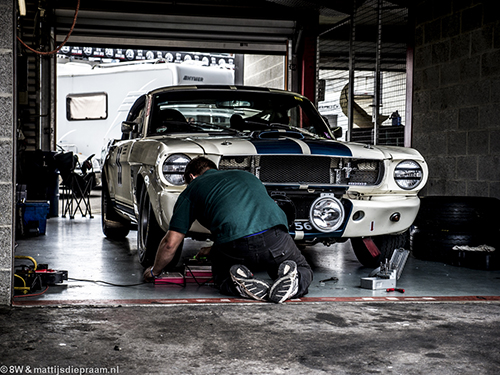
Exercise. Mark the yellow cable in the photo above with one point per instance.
(29, 258)
(24, 281)
(24, 288)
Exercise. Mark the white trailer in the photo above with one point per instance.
(93, 100)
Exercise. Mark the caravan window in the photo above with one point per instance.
(91, 106)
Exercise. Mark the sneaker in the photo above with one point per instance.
(247, 285)
(287, 284)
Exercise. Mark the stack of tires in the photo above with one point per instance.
(444, 222)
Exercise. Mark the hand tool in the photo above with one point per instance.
(400, 290)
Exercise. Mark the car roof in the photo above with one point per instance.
(223, 88)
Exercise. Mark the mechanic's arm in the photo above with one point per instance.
(166, 251)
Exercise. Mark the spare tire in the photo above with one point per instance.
(438, 245)
(469, 214)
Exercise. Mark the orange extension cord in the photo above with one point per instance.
(62, 44)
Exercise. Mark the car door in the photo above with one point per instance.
(122, 158)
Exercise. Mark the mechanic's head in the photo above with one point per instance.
(197, 167)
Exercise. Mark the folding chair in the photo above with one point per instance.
(77, 183)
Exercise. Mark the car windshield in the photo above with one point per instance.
(230, 112)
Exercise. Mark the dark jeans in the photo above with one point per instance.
(261, 252)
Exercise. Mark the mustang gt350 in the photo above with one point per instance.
(331, 191)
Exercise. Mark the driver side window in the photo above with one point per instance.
(139, 120)
(136, 115)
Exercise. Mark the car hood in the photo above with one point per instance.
(293, 146)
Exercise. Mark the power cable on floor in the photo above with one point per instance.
(205, 283)
(118, 285)
(105, 282)
(31, 295)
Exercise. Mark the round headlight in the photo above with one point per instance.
(326, 214)
(173, 168)
(408, 174)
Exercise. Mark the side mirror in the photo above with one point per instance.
(337, 132)
(128, 127)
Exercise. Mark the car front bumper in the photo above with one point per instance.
(378, 215)
(373, 216)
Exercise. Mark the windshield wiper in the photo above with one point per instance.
(291, 128)
(277, 125)
(200, 125)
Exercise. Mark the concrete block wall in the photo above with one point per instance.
(264, 71)
(456, 103)
(6, 149)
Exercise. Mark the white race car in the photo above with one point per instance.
(331, 191)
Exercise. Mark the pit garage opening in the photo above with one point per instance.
(102, 263)
(108, 272)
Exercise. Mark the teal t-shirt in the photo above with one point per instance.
(230, 203)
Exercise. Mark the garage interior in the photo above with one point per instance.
(439, 69)
(103, 272)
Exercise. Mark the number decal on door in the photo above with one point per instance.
(119, 172)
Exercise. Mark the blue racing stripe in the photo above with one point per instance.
(276, 146)
(327, 148)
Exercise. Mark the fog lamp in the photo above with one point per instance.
(326, 214)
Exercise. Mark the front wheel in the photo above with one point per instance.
(386, 245)
(149, 234)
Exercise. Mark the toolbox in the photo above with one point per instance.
(200, 274)
(386, 276)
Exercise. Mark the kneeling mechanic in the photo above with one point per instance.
(249, 231)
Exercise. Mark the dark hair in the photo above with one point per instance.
(197, 167)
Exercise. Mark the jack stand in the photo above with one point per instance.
(388, 273)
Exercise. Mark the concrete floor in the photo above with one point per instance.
(408, 338)
(78, 246)
(447, 322)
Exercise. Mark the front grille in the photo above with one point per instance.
(237, 162)
(282, 169)
(358, 172)
(307, 169)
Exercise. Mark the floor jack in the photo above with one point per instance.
(28, 279)
(195, 270)
(385, 276)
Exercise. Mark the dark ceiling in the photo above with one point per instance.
(216, 25)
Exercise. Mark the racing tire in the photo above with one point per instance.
(114, 226)
(438, 246)
(463, 214)
(386, 245)
(150, 234)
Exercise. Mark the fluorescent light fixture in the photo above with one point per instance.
(22, 7)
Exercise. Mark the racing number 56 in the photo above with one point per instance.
(303, 226)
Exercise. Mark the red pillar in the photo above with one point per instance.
(308, 68)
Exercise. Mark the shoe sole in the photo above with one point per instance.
(251, 287)
(283, 288)
(255, 289)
